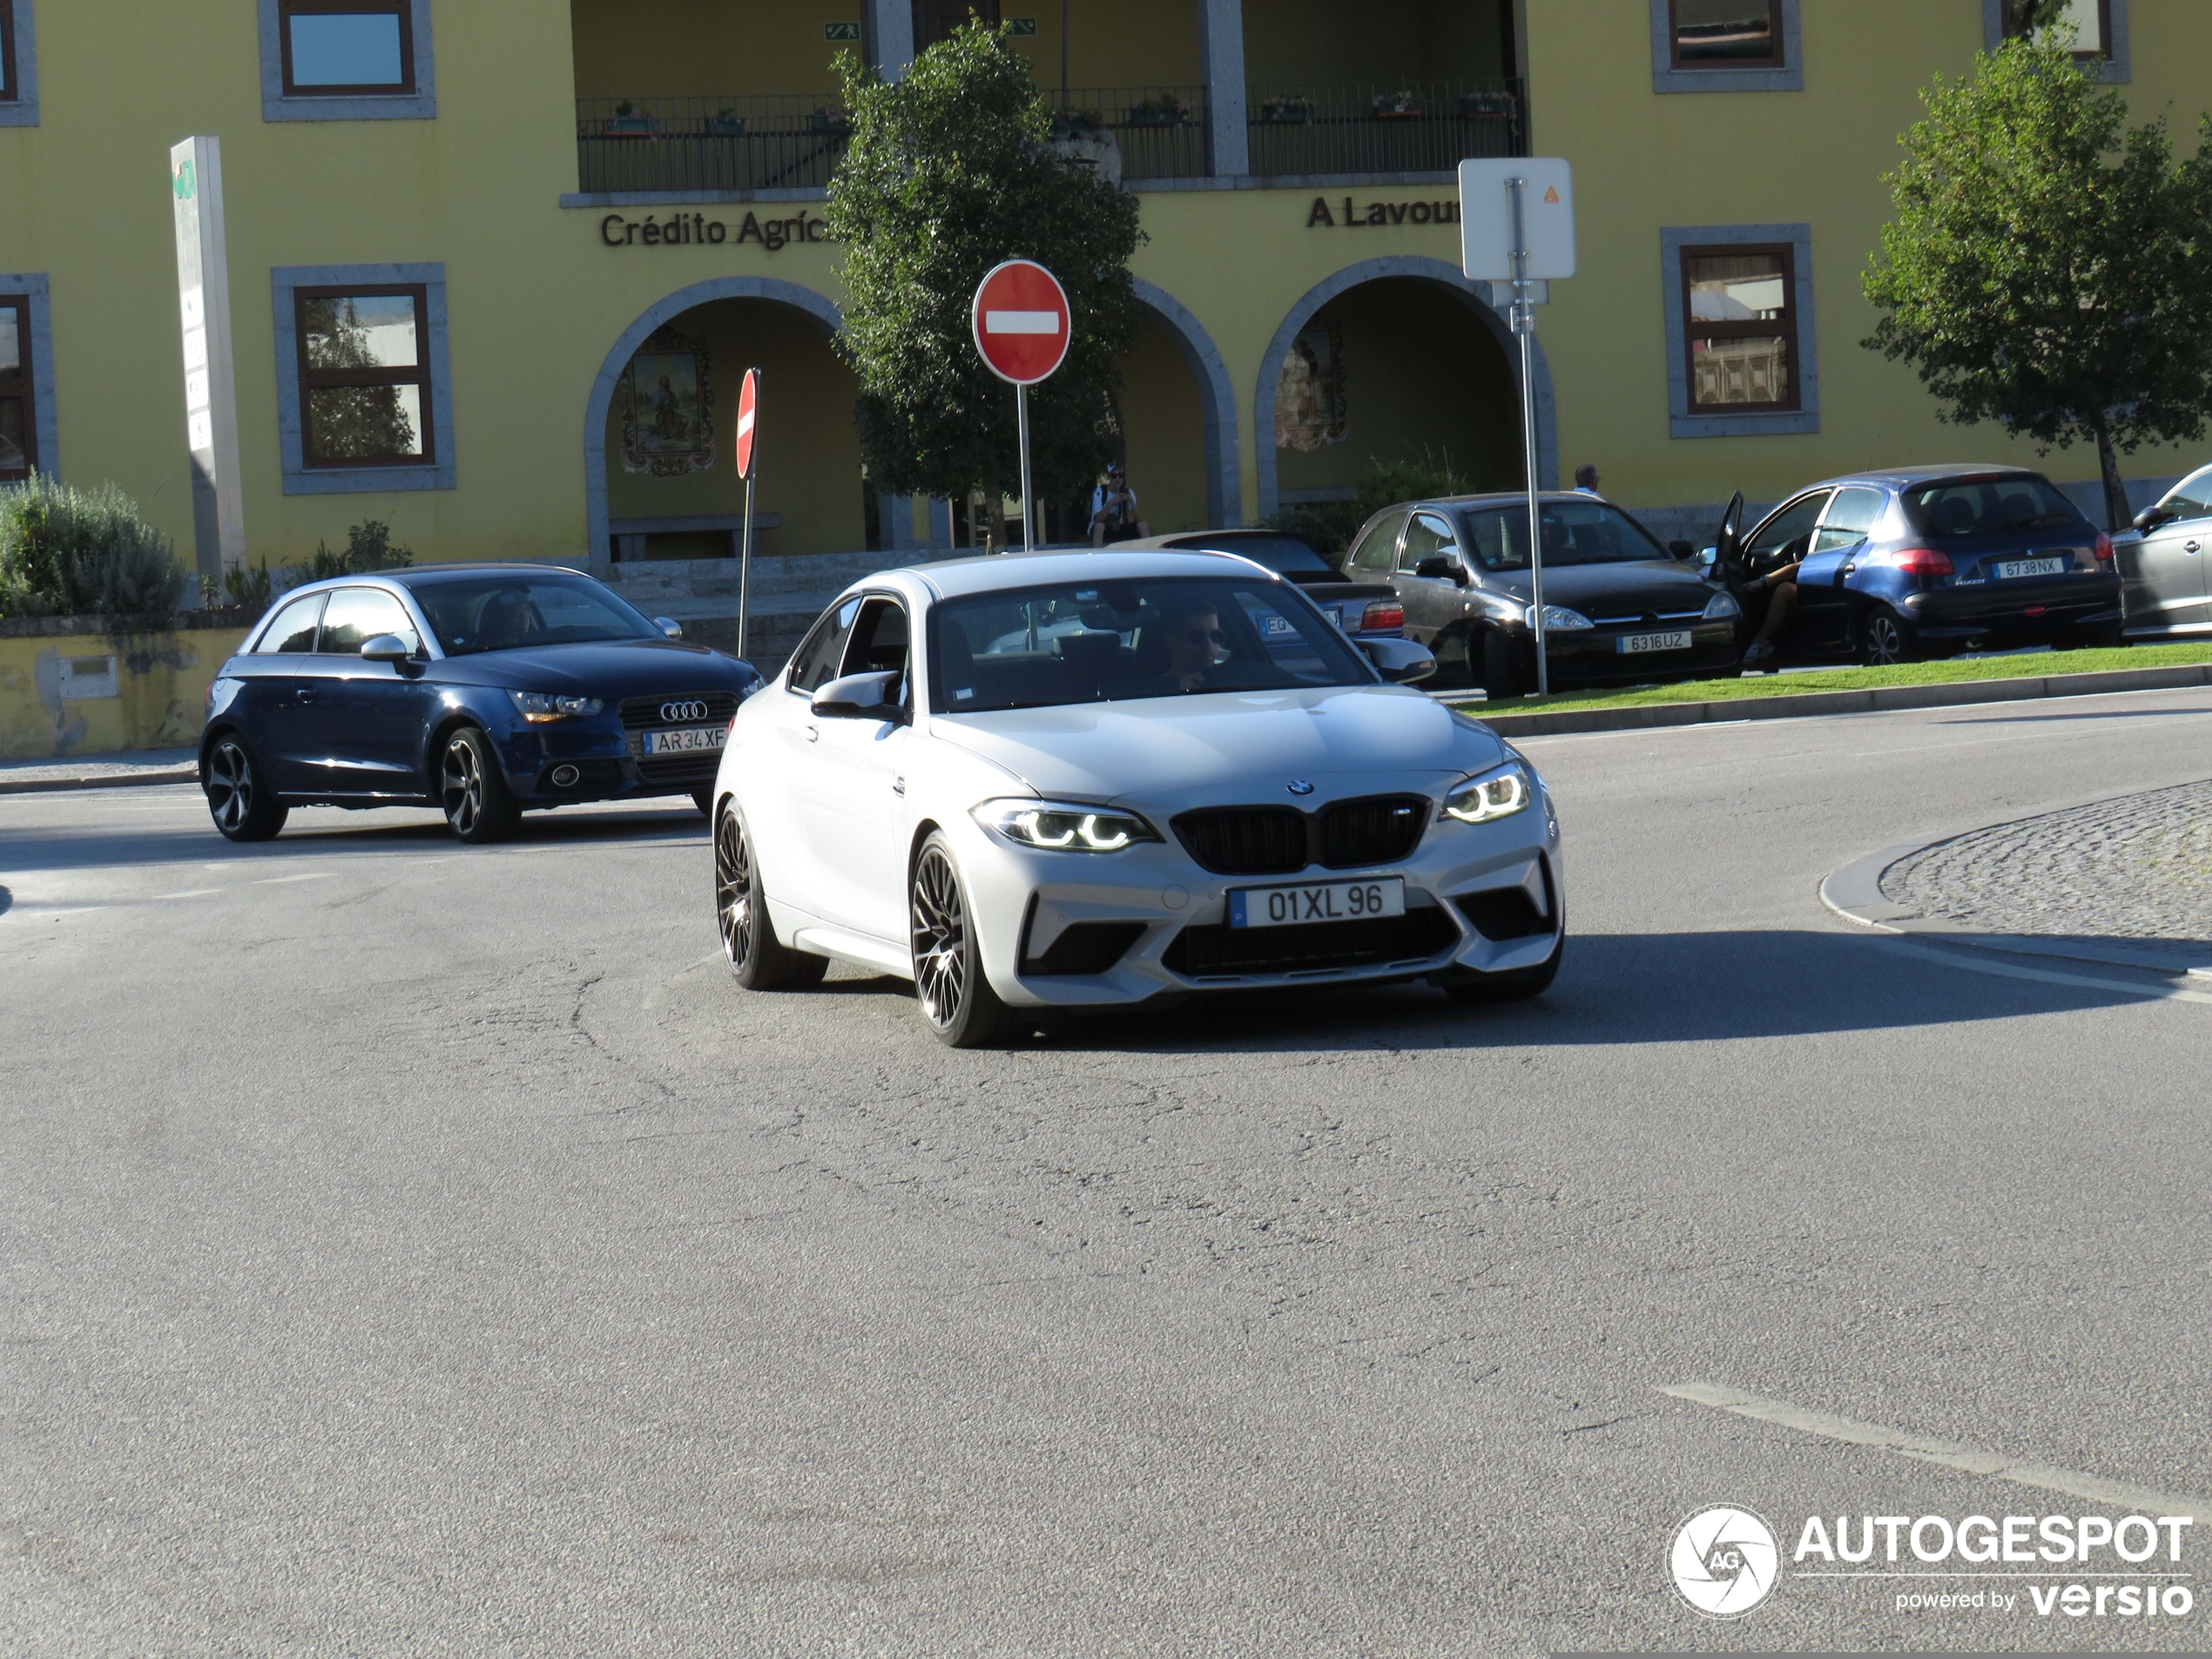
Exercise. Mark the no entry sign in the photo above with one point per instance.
(748, 409)
(1021, 321)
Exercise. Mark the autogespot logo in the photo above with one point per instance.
(1725, 1561)
(674, 712)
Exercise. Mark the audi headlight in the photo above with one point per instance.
(1557, 616)
(1063, 826)
(1499, 792)
(537, 707)
(1722, 608)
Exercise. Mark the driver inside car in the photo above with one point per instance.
(1194, 642)
(1774, 593)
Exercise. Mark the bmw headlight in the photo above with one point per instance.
(1063, 826)
(1557, 616)
(1723, 607)
(1499, 792)
(537, 707)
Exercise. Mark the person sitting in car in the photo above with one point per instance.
(1770, 600)
(1192, 639)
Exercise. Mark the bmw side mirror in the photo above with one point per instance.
(386, 648)
(669, 626)
(1400, 660)
(862, 696)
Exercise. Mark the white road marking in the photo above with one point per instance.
(1964, 1459)
(2006, 970)
(278, 880)
(193, 892)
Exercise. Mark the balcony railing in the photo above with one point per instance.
(1401, 126)
(685, 143)
(1159, 131)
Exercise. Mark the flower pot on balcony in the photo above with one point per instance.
(1487, 106)
(836, 121)
(631, 126)
(1285, 113)
(726, 126)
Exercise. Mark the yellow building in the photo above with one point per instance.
(495, 267)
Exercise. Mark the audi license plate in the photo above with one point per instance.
(1678, 640)
(1319, 901)
(2033, 567)
(691, 740)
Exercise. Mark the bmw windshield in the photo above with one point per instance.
(1103, 641)
(471, 614)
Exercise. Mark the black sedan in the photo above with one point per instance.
(1359, 607)
(480, 691)
(1620, 609)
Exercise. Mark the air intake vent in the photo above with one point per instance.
(1381, 829)
(1246, 840)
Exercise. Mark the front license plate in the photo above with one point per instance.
(2033, 567)
(1678, 640)
(692, 739)
(1320, 902)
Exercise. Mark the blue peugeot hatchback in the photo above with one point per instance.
(479, 689)
(1925, 561)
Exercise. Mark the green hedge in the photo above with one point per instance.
(70, 552)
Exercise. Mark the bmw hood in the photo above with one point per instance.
(609, 669)
(1229, 746)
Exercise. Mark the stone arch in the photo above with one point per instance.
(1217, 400)
(1438, 273)
(618, 359)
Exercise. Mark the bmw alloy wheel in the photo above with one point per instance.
(463, 793)
(733, 890)
(940, 939)
(230, 787)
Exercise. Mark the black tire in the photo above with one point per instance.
(2103, 639)
(704, 799)
(1885, 638)
(1516, 987)
(238, 796)
(955, 995)
(1502, 680)
(758, 960)
(478, 806)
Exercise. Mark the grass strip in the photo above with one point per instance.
(2026, 665)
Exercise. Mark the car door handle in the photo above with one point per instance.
(814, 733)
(1848, 569)
(307, 694)
(899, 785)
(2189, 547)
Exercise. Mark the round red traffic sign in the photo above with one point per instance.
(748, 410)
(1021, 321)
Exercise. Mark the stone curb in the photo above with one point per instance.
(1957, 694)
(1855, 893)
(119, 780)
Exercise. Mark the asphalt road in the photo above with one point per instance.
(413, 1249)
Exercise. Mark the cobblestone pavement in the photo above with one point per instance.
(2136, 867)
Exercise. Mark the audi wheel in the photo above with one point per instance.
(238, 799)
(473, 791)
(956, 998)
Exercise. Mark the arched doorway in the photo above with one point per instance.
(659, 480)
(1179, 419)
(1394, 360)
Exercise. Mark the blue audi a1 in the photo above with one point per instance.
(480, 690)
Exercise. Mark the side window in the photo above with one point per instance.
(293, 631)
(816, 662)
(1792, 522)
(879, 641)
(1426, 538)
(1374, 552)
(1849, 518)
(359, 615)
(347, 60)
(2192, 497)
(364, 379)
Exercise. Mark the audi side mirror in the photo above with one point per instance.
(669, 626)
(1399, 661)
(862, 696)
(386, 648)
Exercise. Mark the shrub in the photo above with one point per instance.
(368, 547)
(65, 551)
(1330, 525)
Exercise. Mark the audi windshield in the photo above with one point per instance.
(470, 614)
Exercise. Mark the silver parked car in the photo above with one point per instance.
(2163, 573)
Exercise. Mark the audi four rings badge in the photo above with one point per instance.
(673, 712)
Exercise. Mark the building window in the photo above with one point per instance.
(1726, 46)
(18, 404)
(333, 48)
(346, 60)
(18, 65)
(362, 379)
(1739, 330)
(2100, 30)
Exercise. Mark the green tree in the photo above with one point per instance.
(2050, 267)
(948, 173)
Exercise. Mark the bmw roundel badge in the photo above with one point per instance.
(1299, 786)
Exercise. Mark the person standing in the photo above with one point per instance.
(1586, 479)
(1113, 511)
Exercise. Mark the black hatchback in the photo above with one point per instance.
(1618, 608)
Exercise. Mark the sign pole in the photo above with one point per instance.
(1524, 329)
(749, 464)
(745, 566)
(1021, 414)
